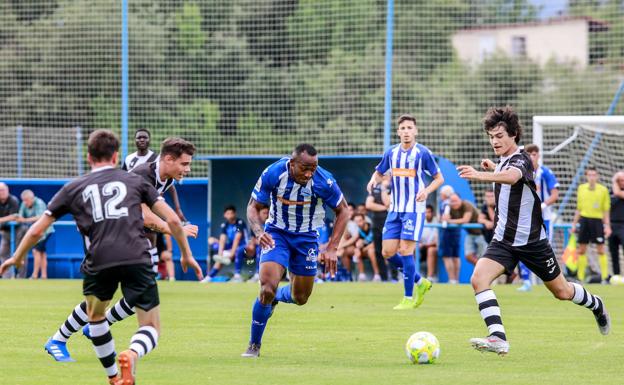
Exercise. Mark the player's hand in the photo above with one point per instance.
(180, 215)
(607, 231)
(189, 261)
(488, 165)
(421, 196)
(190, 230)
(370, 185)
(329, 258)
(266, 241)
(468, 172)
(10, 262)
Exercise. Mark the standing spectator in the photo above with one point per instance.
(457, 213)
(487, 216)
(9, 207)
(377, 204)
(617, 220)
(31, 209)
(463, 212)
(364, 247)
(429, 244)
(592, 214)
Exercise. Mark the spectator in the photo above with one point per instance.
(346, 248)
(364, 248)
(488, 216)
(30, 210)
(377, 204)
(449, 238)
(449, 242)
(9, 207)
(429, 244)
(592, 214)
(617, 220)
(164, 245)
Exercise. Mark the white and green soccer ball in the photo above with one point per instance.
(422, 348)
(617, 280)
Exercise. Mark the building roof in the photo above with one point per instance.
(594, 24)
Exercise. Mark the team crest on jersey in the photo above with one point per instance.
(411, 158)
(409, 225)
(311, 255)
(330, 182)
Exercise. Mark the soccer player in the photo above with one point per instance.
(548, 190)
(593, 205)
(143, 154)
(106, 205)
(617, 220)
(174, 163)
(406, 162)
(519, 234)
(297, 190)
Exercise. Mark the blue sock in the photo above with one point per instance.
(396, 261)
(213, 272)
(259, 317)
(283, 294)
(238, 260)
(525, 273)
(409, 272)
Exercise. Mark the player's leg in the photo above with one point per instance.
(496, 261)
(583, 239)
(369, 252)
(44, 264)
(432, 262)
(36, 264)
(603, 261)
(239, 259)
(615, 240)
(57, 344)
(118, 312)
(302, 266)
(358, 257)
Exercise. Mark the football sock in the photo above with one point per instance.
(213, 272)
(120, 311)
(409, 273)
(104, 346)
(583, 297)
(238, 260)
(75, 321)
(582, 267)
(491, 314)
(604, 266)
(259, 316)
(283, 294)
(396, 261)
(144, 340)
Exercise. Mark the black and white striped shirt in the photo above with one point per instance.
(518, 207)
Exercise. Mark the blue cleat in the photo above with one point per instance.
(58, 351)
(86, 331)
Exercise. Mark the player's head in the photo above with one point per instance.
(176, 155)
(446, 191)
(490, 199)
(503, 128)
(429, 213)
(361, 209)
(303, 163)
(28, 197)
(360, 220)
(533, 151)
(351, 209)
(591, 173)
(229, 213)
(142, 138)
(455, 202)
(406, 128)
(263, 214)
(102, 147)
(619, 178)
(4, 191)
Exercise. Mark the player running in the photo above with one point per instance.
(106, 205)
(297, 190)
(406, 162)
(519, 234)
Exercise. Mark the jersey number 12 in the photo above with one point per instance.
(110, 210)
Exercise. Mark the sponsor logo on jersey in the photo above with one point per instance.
(409, 225)
(288, 202)
(405, 172)
(312, 257)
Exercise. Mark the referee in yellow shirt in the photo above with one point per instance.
(592, 214)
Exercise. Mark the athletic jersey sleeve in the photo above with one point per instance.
(549, 179)
(149, 195)
(606, 200)
(521, 164)
(330, 192)
(429, 164)
(60, 203)
(223, 228)
(241, 227)
(384, 165)
(263, 187)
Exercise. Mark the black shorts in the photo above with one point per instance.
(138, 285)
(41, 246)
(537, 256)
(590, 231)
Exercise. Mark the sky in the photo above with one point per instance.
(550, 8)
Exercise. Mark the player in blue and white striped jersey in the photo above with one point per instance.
(296, 189)
(406, 162)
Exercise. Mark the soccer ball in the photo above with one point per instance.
(617, 280)
(422, 348)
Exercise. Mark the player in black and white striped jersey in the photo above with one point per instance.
(143, 154)
(519, 234)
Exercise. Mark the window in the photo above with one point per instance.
(518, 46)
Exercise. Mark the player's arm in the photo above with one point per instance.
(163, 210)
(236, 242)
(155, 223)
(376, 178)
(485, 222)
(340, 224)
(30, 239)
(554, 196)
(256, 225)
(222, 240)
(577, 216)
(460, 221)
(372, 206)
(437, 181)
(509, 176)
(176, 203)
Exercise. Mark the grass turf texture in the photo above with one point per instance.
(346, 334)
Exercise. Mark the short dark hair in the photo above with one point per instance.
(429, 207)
(351, 204)
(531, 148)
(229, 207)
(102, 145)
(149, 134)
(405, 117)
(176, 147)
(505, 117)
(359, 215)
(591, 168)
(305, 147)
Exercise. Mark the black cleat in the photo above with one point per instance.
(603, 320)
(253, 351)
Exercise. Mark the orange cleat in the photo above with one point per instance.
(127, 363)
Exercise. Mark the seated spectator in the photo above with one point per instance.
(30, 210)
(253, 249)
(365, 248)
(346, 247)
(9, 207)
(428, 246)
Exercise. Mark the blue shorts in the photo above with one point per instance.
(296, 252)
(449, 242)
(407, 226)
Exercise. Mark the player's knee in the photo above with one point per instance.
(477, 282)
(300, 298)
(564, 293)
(267, 294)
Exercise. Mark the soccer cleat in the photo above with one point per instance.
(362, 277)
(86, 331)
(376, 278)
(526, 286)
(603, 320)
(406, 304)
(422, 289)
(237, 278)
(206, 279)
(491, 344)
(127, 364)
(58, 351)
(114, 380)
(253, 351)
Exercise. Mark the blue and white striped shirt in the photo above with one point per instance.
(293, 207)
(406, 168)
(545, 183)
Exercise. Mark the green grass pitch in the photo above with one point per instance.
(346, 334)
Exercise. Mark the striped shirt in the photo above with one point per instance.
(406, 168)
(545, 183)
(293, 207)
(518, 207)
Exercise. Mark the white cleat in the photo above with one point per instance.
(490, 344)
